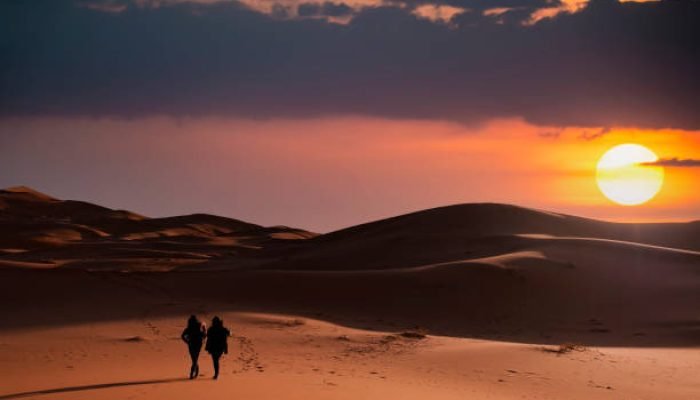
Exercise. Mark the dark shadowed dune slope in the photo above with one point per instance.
(467, 231)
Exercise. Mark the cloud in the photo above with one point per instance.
(104, 6)
(324, 9)
(437, 12)
(553, 134)
(495, 12)
(558, 7)
(608, 64)
(440, 11)
(589, 135)
(675, 162)
(340, 12)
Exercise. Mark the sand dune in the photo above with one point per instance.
(467, 231)
(471, 300)
(25, 203)
(77, 234)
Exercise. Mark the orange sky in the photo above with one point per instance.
(325, 174)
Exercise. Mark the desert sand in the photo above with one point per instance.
(478, 301)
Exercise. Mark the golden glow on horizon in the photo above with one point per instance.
(623, 179)
(385, 166)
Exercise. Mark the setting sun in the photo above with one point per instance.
(623, 177)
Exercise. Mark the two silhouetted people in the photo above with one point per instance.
(217, 342)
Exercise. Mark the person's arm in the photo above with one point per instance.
(185, 337)
(228, 333)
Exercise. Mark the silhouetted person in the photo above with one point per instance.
(194, 336)
(217, 342)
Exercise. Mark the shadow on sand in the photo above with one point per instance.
(98, 386)
(474, 301)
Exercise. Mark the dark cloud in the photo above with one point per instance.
(589, 135)
(324, 9)
(609, 64)
(550, 134)
(676, 162)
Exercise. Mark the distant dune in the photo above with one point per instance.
(469, 231)
(35, 227)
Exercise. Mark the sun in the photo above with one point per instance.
(623, 177)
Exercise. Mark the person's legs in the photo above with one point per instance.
(194, 354)
(215, 358)
(195, 361)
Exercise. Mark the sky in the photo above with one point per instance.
(322, 115)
